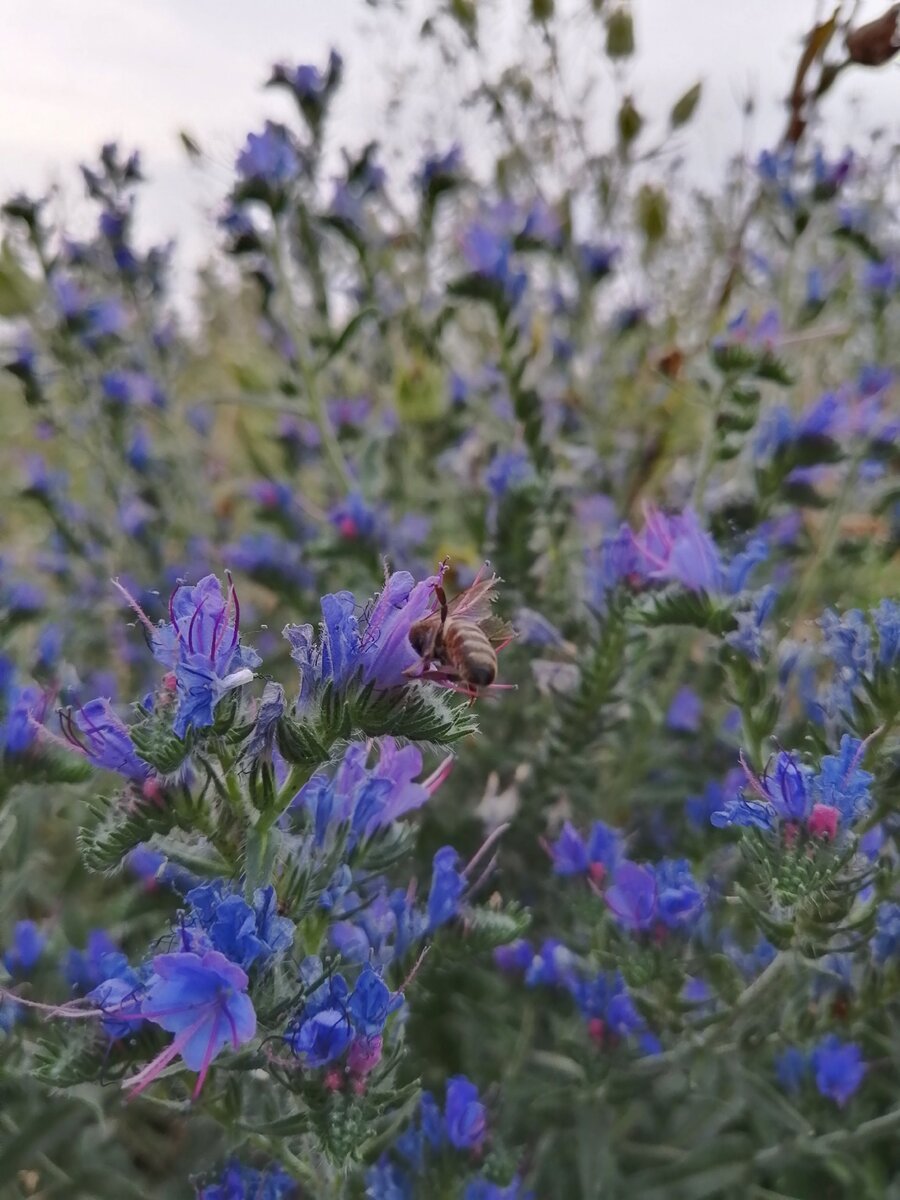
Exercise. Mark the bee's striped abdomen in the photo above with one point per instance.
(469, 652)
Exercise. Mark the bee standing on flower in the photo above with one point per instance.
(461, 639)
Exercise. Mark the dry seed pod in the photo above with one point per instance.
(878, 41)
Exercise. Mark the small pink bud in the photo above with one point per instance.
(823, 821)
(364, 1055)
(597, 872)
(596, 1031)
(332, 1080)
(151, 789)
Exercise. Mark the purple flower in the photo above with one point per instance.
(243, 934)
(25, 949)
(569, 852)
(25, 709)
(680, 898)
(204, 1002)
(374, 647)
(440, 172)
(447, 887)
(240, 1182)
(100, 960)
(201, 645)
(632, 897)
(516, 956)
(132, 389)
(886, 940)
(675, 549)
(597, 260)
(334, 1020)
(268, 161)
(367, 798)
(839, 1069)
(552, 966)
(685, 711)
(104, 740)
(353, 519)
(371, 1002)
(842, 783)
(464, 1114)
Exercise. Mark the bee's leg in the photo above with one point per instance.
(442, 600)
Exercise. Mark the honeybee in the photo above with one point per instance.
(461, 639)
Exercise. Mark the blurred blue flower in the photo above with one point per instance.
(464, 1114)
(25, 948)
(838, 1068)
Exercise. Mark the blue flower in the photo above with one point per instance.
(243, 934)
(388, 1181)
(886, 940)
(104, 740)
(632, 897)
(597, 260)
(204, 1002)
(791, 1067)
(267, 165)
(676, 549)
(374, 647)
(440, 172)
(685, 711)
(839, 1069)
(367, 798)
(354, 519)
(464, 1114)
(447, 887)
(100, 960)
(508, 471)
(887, 625)
(842, 783)
(516, 956)
(25, 949)
(680, 899)
(569, 852)
(25, 712)
(552, 966)
(370, 1003)
(240, 1182)
(201, 645)
(333, 1020)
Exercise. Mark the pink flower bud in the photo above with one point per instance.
(823, 821)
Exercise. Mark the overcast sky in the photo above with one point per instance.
(74, 73)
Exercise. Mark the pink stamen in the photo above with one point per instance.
(55, 1010)
(233, 597)
(753, 780)
(208, 1056)
(135, 607)
(156, 1066)
(415, 970)
(197, 612)
(486, 845)
(439, 775)
(861, 752)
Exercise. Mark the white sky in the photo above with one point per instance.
(75, 73)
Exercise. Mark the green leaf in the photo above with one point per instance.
(488, 928)
(652, 210)
(678, 606)
(346, 335)
(619, 34)
(685, 107)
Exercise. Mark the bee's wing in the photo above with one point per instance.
(497, 631)
(475, 602)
